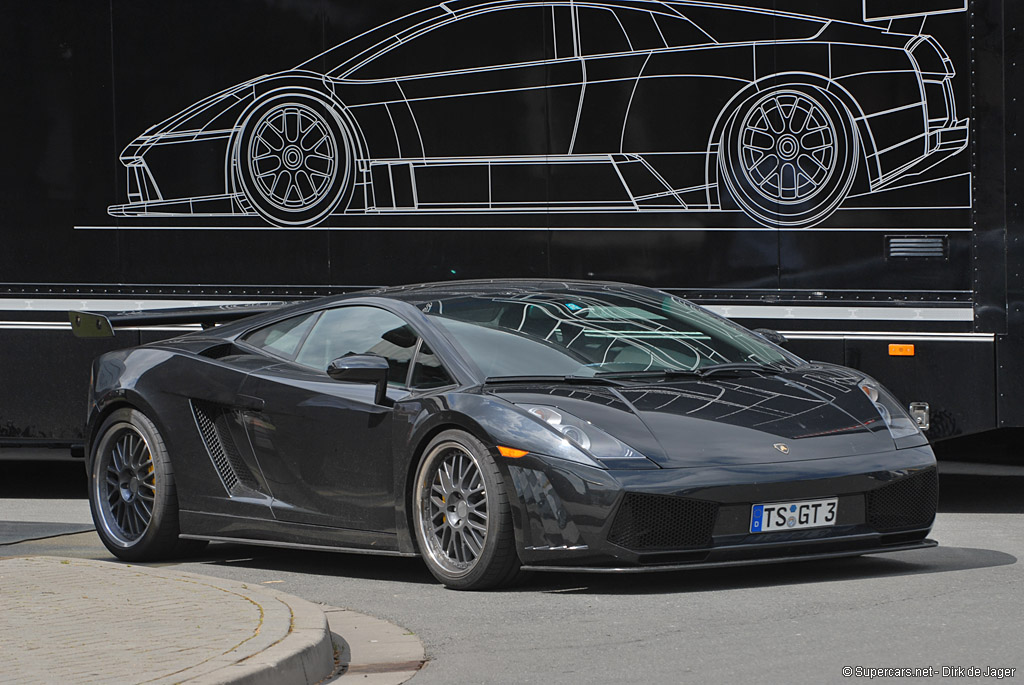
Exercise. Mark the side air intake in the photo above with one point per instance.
(213, 423)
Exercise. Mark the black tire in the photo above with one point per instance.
(789, 156)
(463, 520)
(294, 160)
(132, 495)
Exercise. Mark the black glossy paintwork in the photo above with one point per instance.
(580, 502)
(331, 468)
(324, 446)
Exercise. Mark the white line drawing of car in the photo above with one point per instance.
(580, 106)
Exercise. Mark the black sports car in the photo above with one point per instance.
(499, 426)
(516, 106)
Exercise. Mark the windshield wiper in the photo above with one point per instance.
(660, 373)
(730, 367)
(570, 380)
(742, 366)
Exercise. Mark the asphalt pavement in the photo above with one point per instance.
(958, 606)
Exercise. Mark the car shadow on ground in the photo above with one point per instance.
(410, 570)
(960, 493)
(936, 560)
(340, 564)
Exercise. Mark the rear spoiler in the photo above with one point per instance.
(888, 10)
(97, 325)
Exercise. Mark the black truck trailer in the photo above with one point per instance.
(845, 172)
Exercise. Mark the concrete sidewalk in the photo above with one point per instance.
(83, 621)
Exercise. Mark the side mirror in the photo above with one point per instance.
(363, 368)
(772, 336)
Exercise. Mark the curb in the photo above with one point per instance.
(305, 654)
(293, 644)
(376, 651)
(282, 639)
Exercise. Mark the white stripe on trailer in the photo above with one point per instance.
(890, 336)
(94, 304)
(843, 312)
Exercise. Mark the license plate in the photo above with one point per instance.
(815, 513)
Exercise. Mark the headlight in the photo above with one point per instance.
(899, 423)
(604, 448)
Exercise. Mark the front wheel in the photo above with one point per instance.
(462, 517)
(294, 160)
(132, 494)
(789, 156)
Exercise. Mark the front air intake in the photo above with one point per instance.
(905, 504)
(661, 522)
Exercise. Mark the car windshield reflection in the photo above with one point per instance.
(584, 334)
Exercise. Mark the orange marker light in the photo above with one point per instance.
(511, 453)
(901, 350)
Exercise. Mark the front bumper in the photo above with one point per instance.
(573, 517)
(179, 174)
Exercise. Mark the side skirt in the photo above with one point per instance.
(224, 528)
(296, 545)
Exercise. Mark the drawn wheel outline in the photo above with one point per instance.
(812, 171)
(294, 160)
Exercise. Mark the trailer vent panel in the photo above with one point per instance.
(917, 247)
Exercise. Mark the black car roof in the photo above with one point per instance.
(425, 292)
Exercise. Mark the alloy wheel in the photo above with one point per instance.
(452, 502)
(126, 484)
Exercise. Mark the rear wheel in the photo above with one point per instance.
(789, 156)
(462, 517)
(132, 494)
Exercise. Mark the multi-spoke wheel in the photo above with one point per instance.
(789, 156)
(293, 160)
(131, 490)
(462, 516)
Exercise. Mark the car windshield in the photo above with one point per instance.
(354, 51)
(590, 333)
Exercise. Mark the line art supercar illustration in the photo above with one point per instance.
(585, 106)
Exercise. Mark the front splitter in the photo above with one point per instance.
(653, 568)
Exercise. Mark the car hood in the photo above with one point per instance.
(812, 413)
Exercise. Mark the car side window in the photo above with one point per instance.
(681, 33)
(641, 28)
(601, 33)
(282, 338)
(427, 372)
(493, 38)
(360, 330)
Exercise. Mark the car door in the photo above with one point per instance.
(494, 94)
(324, 446)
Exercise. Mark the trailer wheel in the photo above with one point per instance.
(789, 156)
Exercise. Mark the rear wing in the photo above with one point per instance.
(888, 10)
(97, 325)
